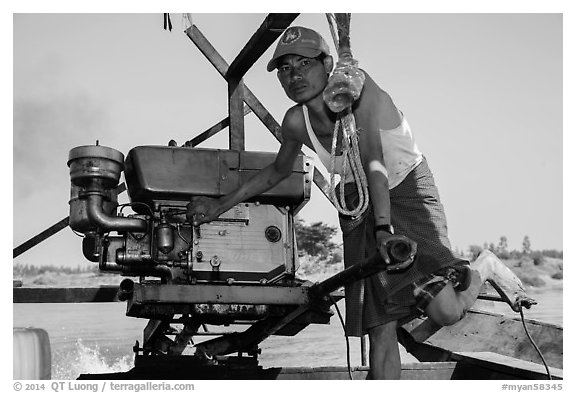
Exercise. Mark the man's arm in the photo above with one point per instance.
(375, 112)
(203, 209)
(372, 114)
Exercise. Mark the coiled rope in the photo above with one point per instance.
(351, 162)
(340, 30)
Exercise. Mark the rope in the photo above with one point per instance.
(340, 29)
(333, 30)
(351, 157)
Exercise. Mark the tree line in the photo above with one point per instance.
(316, 240)
(501, 250)
(25, 270)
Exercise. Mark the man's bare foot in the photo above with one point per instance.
(504, 281)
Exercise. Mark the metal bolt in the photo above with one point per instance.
(215, 261)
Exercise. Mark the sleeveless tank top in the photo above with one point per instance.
(400, 152)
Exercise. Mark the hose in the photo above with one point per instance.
(345, 335)
(534, 345)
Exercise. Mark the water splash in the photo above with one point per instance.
(69, 363)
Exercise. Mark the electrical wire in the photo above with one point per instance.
(345, 335)
(534, 344)
(180, 234)
(122, 206)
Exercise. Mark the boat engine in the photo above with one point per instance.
(253, 243)
(236, 270)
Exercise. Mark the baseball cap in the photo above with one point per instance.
(298, 40)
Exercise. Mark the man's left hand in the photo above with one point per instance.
(384, 239)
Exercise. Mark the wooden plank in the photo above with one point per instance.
(216, 128)
(262, 113)
(102, 294)
(236, 139)
(207, 49)
(272, 27)
(410, 371)
(482, 330)
(507, 365)
(182, 368)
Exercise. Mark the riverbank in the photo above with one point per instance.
(539, 274)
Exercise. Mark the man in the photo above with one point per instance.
(404, 200)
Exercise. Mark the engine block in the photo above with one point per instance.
(252, 243)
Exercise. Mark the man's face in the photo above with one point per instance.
(302, 78)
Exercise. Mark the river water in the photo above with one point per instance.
(98, 337)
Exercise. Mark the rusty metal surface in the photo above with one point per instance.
(243, 311)
(219, 294)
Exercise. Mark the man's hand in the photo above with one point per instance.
(397, 251)
(203, 209)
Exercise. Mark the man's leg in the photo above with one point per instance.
(449, 306)
(384, 352)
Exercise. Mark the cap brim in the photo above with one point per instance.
(306, 52)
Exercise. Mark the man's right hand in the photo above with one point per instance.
(203, 209)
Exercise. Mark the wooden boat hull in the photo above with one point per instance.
(465, 369)
(483, 345)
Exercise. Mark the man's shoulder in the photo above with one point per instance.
(294, 113)
(294, 117)
(293, 125)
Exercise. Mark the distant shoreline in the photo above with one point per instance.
(543, 274)
(546, 274)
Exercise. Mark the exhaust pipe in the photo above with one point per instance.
(126, 289)
(161, 271)
(108, 223)
(94, 172)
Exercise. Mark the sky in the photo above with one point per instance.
(483, 93)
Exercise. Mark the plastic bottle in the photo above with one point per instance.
(344, 85)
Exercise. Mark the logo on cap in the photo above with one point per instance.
(290, 36)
